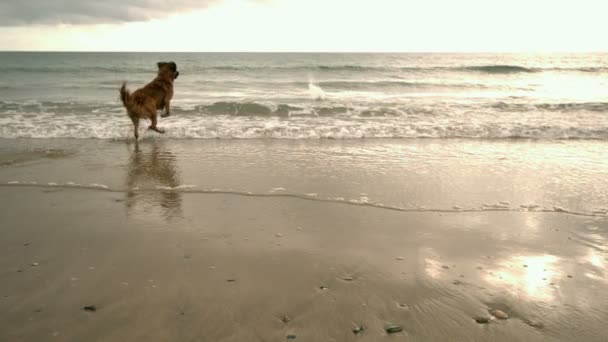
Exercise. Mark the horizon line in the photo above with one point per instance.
(319, 52)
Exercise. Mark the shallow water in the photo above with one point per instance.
(455, 175)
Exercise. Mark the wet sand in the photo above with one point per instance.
(162, 263)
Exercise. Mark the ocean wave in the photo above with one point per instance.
(490, 68)
(500, 69)
(395, 84)
(314, 120)
(117, 126)
(75, 69)
(552, 107)
(321, 108)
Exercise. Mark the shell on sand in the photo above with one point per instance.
(499, 314)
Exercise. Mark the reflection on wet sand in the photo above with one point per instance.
(152, 166)
(532, 275)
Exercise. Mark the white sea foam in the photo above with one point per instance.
(333, 120)
(315, 91)
(97, 185)
(362, 200)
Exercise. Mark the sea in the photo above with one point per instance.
(312, 95)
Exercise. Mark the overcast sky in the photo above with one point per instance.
(304, 25)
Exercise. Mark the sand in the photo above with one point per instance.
(238, 264)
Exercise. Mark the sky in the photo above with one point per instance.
(305, 25)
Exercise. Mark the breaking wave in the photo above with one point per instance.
(316, 120)
(500, 69)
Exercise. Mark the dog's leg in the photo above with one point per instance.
(153, 125)
(135, 120)
(167, 108)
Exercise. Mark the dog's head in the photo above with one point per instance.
(168, 67)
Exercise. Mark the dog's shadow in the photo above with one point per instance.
(151, 171)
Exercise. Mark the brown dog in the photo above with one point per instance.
(144, 102)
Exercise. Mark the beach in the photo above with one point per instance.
(306, 240)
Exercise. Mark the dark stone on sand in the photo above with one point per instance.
(347, 278)
(290, 337)
(358, 329)
(446, 267)
(534, 324)
(323, 287)
(285, 319)
(456, 282)
(90, 308)
(482, 320)
(569, 276)
(231, 280)
(391, 329)
(26, 244)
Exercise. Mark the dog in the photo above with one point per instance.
(144, 102)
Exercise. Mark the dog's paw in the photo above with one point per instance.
(164, 115)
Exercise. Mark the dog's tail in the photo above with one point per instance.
(127, 100)
(125, 97)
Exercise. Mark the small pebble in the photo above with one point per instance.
(323, 287)
(231, 280)
(35, 264)
(26, 244)
(482, 320)
(278, 235)
(534, 324)
(399, 258)
(90, 308)
(291, 337)
(285, 319)
(404, 305)
(347, 278)
(456, 282)
(446, 267)
(499, 314)
(569, 276)
(358, 329)
(391, 329)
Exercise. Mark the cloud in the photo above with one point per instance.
(51, 12)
